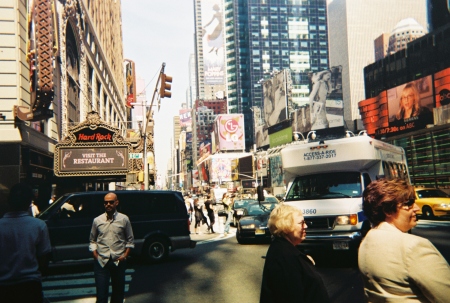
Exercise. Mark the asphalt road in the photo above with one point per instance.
(217, 270)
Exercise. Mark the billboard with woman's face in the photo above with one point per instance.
(398, 110)
(410, 107)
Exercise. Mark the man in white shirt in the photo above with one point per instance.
(111, 241)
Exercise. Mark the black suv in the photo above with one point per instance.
(159, 220)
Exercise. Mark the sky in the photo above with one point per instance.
(157, 31)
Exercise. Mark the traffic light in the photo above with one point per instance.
(165, 86)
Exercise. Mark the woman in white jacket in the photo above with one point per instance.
(397, 266)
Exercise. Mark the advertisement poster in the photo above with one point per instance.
(261, 166)
(130, 75)
(326, 106)
(213, 40)
(410, 107)
(195, 180)
(275, 99)
(230, 132)
(262, 136)
(220, 169)
(185, 118)
(276, 171)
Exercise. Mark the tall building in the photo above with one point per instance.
(192, 91)
(265, 36)
(405, 31)
(381, 46)
(353, 26)
(209, 48)
(59, 62)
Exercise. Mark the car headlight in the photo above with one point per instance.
(345, 220)
(248, 226)
(443, 205)
(239, 212)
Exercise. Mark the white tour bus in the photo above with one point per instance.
(326, 181)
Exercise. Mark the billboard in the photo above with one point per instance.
(185, 118)
(130, 78)
(229, 130)
(213, 40)
(221, 169)
(205, 149)
(188, 137)
(442, 96)
(262, 136)
(275, 93)
(280, 134)
(409, 107)
(326, 106)
(276, 171)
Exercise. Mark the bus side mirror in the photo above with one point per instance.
(260, 192)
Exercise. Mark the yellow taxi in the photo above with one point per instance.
(432, 202)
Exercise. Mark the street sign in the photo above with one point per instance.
(135, 155)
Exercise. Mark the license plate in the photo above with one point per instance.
(340, 246)
(260, 232)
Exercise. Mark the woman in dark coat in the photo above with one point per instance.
(199, 216)
(210, 210)
(289, 275)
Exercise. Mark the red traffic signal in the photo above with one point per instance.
(164, 91)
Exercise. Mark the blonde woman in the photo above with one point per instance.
(289, 275)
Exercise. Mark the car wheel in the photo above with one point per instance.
(239, 238)
(156, 250)
(427, 212)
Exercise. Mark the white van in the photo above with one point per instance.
(326, 181)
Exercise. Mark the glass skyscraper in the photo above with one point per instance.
(263, 36)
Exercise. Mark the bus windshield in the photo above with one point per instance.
(326, 186)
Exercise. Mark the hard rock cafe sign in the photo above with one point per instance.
(92, 148)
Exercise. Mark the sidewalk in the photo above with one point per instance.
(205, 236)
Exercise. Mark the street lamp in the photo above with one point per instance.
(305, 140)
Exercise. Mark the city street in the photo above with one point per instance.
(217, 270)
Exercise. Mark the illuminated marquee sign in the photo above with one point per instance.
(93, 159)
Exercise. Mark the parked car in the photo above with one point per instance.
(239, 208)
(271, 199)
(159, 220)
(253, 224)
(432, 202)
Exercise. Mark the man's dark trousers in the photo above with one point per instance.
(102, 277)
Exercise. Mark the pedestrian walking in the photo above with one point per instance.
(111, 241)
(210, 210)
(25, 248)
(397, 266)
(228, 202)
(189, 209)
(199, 216)
(289, 275)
